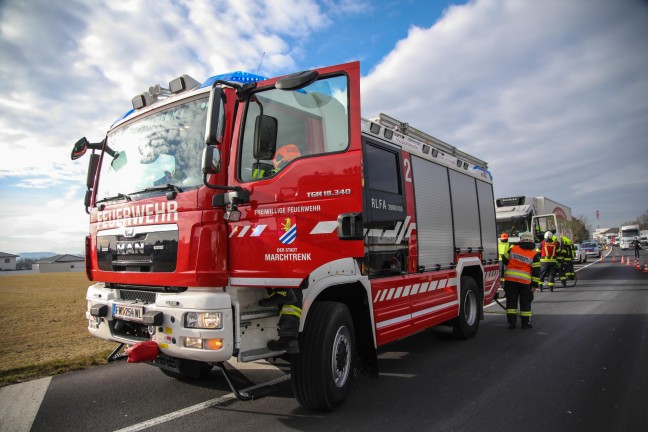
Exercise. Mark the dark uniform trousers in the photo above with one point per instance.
(518, 291)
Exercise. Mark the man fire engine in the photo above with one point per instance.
(382, 229)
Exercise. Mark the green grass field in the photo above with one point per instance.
(43, 329)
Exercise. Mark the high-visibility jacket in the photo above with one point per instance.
(522, 266)
(502, 248)
(565, 252)
(548, 251)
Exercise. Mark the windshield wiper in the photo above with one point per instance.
(115, 197)
(164, 187)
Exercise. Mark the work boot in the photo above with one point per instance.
(526, 324)
(278, 297)
(512, 324)
(287, 344)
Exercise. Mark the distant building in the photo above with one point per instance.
(7, 261)
(60, 263)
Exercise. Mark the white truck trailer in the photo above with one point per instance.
(627, 234)
(536, 214)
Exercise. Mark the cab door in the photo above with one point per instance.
(304, 185)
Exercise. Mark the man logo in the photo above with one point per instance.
(129, 232)
(130, 248)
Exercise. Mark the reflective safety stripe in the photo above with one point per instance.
(517, 276)
(511, 311)
(525, 313)
(291, 310)
(525, 259)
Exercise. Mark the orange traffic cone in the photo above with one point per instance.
(629, 262)
(613, 258)
(637, 265)
(645, 267)
(622, 259)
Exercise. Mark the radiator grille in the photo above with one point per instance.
(142, 296)
(133, 258)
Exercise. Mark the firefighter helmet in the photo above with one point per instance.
(504, 236)
(526, 237)
(547, 235)
(284, 155)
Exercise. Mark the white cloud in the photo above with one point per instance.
(71, 68)
(552, 94)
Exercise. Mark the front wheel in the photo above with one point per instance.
(467, 323)
(322, 371)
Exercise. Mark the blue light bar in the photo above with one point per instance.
(477, 167)
(238, 76)
(129, 112)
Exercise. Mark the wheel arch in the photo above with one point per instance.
(472, 268)
(355, 292)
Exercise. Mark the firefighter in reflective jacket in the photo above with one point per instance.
(521, 279)
(565, 256)
(548, 249)
(503, 246)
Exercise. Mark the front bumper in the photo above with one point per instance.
(169, 331)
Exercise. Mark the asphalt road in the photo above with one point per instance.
(583, 367)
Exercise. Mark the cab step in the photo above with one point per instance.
(257, 354)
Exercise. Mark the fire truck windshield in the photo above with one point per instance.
(310, 121)
(159, 149)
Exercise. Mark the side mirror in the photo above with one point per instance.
(297, 81)
(265, 137)
(79, 149)
(211, 161)
(213, 129)
(86, 199)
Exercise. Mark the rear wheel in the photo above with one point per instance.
(467, 323)
(322, 371)
(571, 281)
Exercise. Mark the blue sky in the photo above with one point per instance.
(552, 94)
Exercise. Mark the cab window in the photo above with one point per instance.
(309, 122)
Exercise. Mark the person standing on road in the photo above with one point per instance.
(636, 244)
(521, 279)
(503, 246)
(548, 261)
(565, 256)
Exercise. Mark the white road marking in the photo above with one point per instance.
(195, 408)
(19, 404)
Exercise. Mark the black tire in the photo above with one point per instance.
(572, 282)
(322, 371)
(188, 370)
(466, 324)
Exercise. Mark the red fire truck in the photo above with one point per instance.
(384, 229)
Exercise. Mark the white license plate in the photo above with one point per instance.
(129, 313)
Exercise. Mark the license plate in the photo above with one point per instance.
(129, 313)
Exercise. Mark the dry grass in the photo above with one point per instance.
(43, 329)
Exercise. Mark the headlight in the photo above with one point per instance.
(203, 320)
